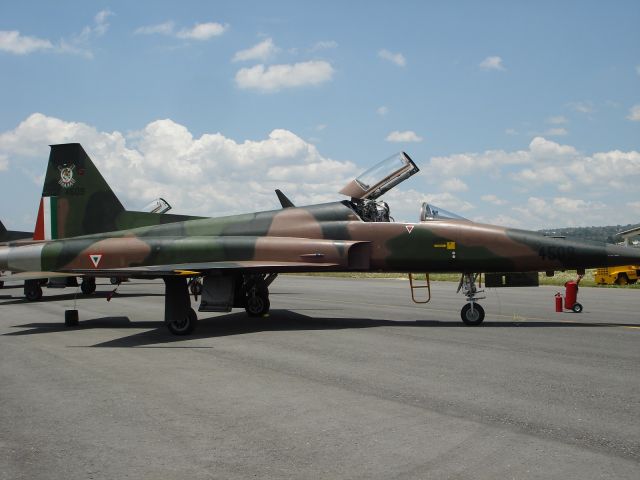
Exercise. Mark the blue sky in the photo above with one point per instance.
(520, 113)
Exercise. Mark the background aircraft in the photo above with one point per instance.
(239, 256)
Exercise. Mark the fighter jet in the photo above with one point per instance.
(239, 256)
(11, 235)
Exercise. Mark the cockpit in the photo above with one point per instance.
(366, 189)
(430, 212)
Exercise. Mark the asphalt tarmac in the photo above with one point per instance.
(344, 379)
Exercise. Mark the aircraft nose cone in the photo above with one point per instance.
(619, 255)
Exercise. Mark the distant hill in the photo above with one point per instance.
(599, 234)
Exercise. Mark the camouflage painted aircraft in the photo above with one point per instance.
(11, 236)
(239, 256)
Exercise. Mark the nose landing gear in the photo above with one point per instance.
(472, 313)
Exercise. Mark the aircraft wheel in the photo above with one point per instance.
(622, 279)
(114, 280)
(472, 317)
(257, 305)
(88, 286)
(1, 284)
(32, 290)
(577, 307)
(185, 324)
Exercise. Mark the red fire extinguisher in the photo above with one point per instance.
(558, 302)
(571, 297)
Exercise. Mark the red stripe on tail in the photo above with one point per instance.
(38, 232)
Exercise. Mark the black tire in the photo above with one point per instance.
(257, 305)
(472, 317)
(88, 286)
(32, 291)
(577, 307)
(184, 325)
(622, 279)
(114, 280)
(1, 284)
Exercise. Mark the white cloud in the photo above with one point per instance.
(200, 31)
(493, 199)
(396, 58)
(165, 28)
(557, 120)
(4, 163)
(492, 63)
(382, 111)
(454, 185)
(13, 42)
(101, 23)
(324, 45)
(638, 69)
(263, 51)
(581, 107)
(208, 175)
(541, 148)
(511, 131)
(556, 132)
(634, 113)
(403, 137)
(277, 77)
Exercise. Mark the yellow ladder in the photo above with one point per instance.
(415, 287)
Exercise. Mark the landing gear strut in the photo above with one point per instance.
(472, 313)
(256, 288)
(32, 290)
(179, 317)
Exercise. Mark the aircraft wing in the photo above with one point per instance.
(191, 269)
(270, 255)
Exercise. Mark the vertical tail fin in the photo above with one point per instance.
(76, 199)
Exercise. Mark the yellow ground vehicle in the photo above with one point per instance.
(618, 275)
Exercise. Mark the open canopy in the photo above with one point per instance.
(381, 178)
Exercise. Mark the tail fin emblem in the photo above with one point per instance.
(66, 176)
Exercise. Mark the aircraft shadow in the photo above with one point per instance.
(279, 320)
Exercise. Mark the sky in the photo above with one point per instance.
(523, 114)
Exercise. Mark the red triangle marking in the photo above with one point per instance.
(95, 259)
(409, 228)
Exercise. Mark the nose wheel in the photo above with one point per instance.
(472, 313)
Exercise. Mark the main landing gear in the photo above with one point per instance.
(179, 317)
(472, 313)
(88, 285)
(33, 290)
(256, 293)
